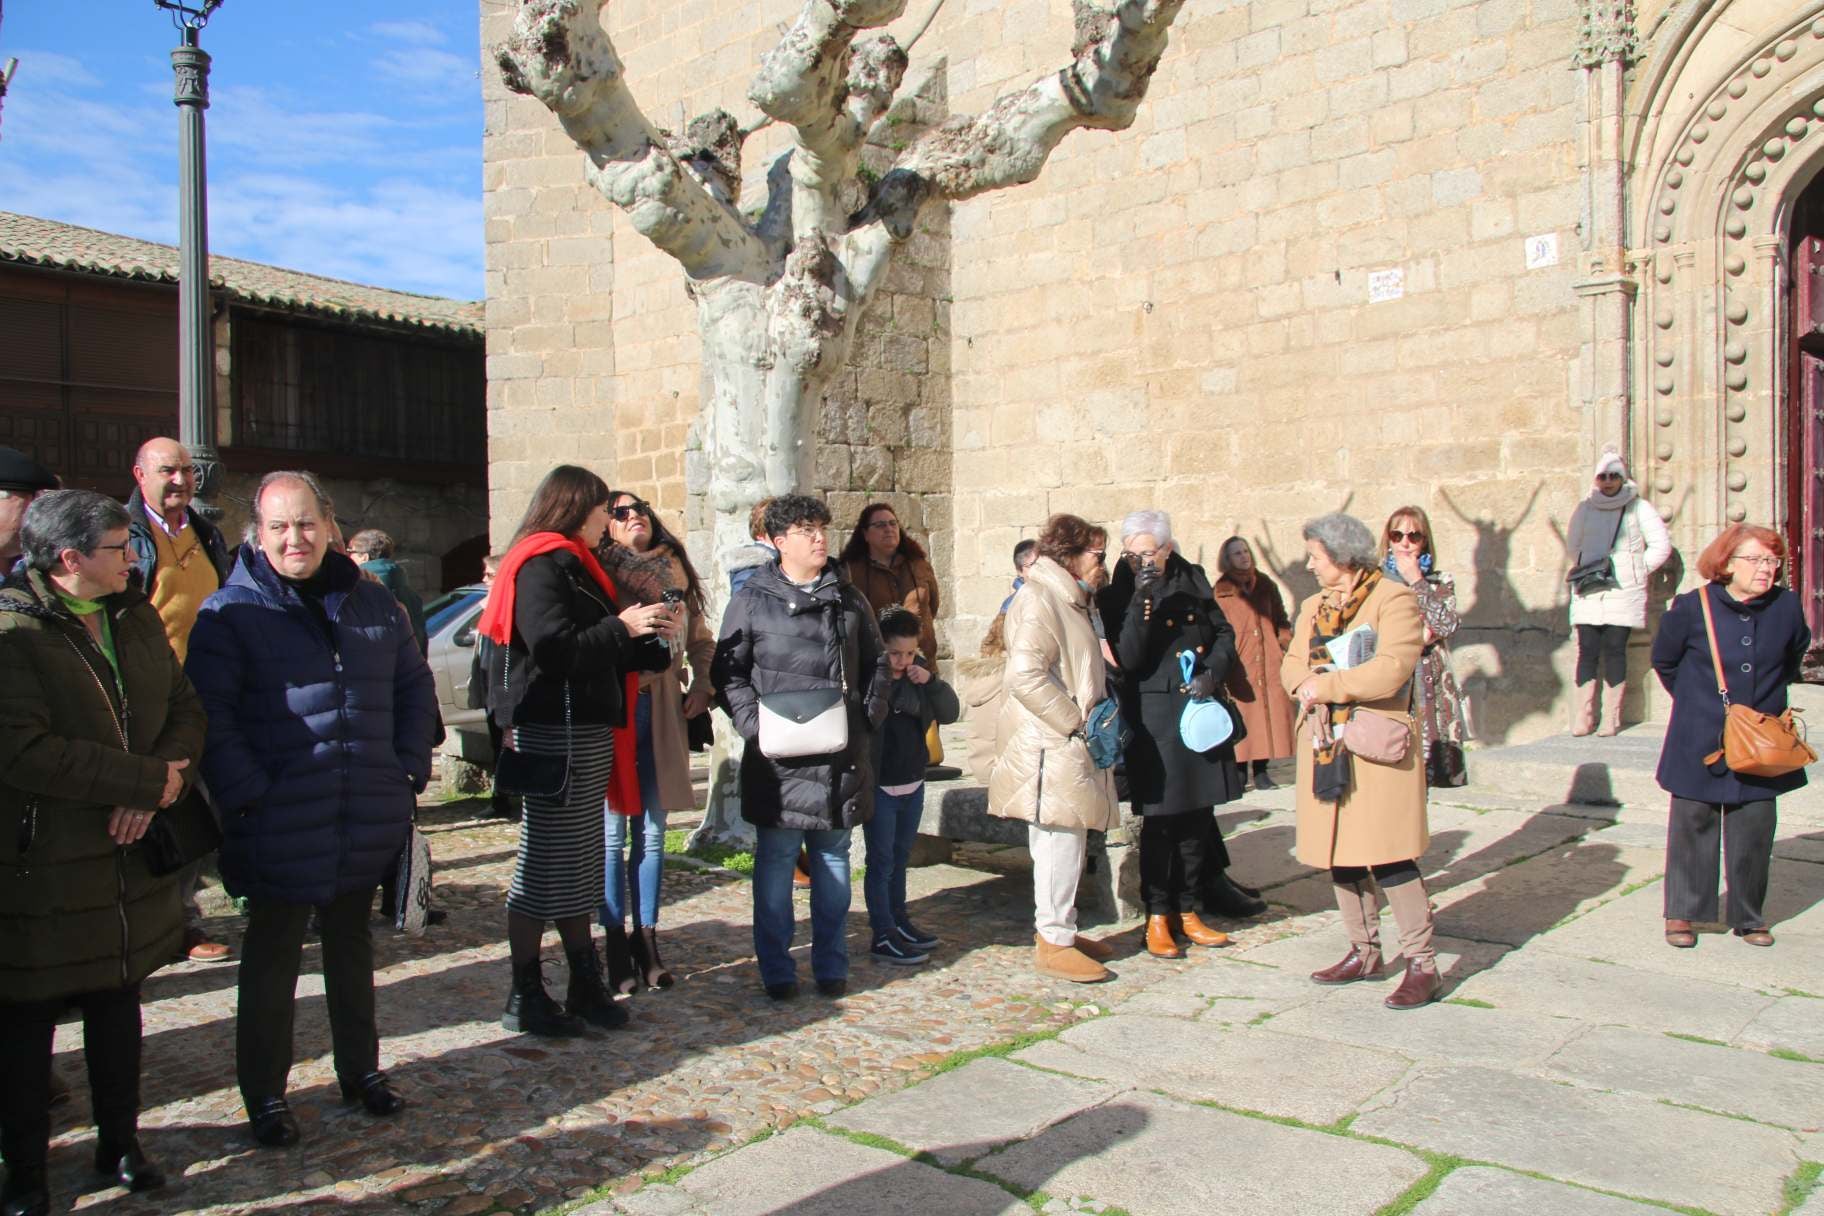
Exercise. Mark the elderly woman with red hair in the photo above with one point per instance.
(1760, 637)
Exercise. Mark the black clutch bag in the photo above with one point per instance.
(182, 833)
(702, 732)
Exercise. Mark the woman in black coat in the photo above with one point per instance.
(1157, 606)
(1761, 636)
(563, 665)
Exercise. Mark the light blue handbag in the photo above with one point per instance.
(1202, 724)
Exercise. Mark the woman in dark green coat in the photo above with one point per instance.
(99, 731)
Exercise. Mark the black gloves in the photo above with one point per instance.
(1202, 686)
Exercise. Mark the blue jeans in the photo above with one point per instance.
(635, 882)
(775, 853)
(889, 837)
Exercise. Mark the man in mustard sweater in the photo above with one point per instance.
(179, 559)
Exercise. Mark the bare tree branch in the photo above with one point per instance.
(560, 54)
(829, 89)
(1116, 53)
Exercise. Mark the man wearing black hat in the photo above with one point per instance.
(21, 479)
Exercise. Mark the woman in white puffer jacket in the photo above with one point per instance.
(1616, 522)
(1044, 775)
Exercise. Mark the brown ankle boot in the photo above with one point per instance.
(1420, 987)
(1612, 697)
(1066, 963)
(1360, 963)
(1160, 942)
(1199, 933)
(1098, 950)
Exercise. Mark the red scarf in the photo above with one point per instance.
(497, 623)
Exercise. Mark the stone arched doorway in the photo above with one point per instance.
(1804, 441)
(1726, 130)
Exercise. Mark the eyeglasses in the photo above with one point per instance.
(1101, 555)
(889, 522)
(804, 533)
(626, 512)
(1608, 477)
(1395, 535)
(1142, 555)
(1765, 563)
(121, 549)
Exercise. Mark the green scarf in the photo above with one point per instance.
(81, 608)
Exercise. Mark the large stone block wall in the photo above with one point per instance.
(1174, 316)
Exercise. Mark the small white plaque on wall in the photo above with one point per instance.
(1542, 251)
(1384, 285)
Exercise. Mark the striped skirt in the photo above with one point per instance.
(559, 872)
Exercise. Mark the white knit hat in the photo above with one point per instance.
(1610, 459)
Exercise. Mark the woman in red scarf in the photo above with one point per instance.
(566, 659)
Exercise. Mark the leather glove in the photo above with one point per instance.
(1146, 577)
(1202, 686)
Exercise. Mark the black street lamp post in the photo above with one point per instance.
(196, 366)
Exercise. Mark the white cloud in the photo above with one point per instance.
(422, 33)
(428, 68)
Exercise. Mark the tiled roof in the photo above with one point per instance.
(27, 240)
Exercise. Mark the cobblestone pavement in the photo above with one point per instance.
(1580, 1066)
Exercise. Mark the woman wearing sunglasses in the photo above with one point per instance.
(1617, 525)
(643, 557)
(1407, 557)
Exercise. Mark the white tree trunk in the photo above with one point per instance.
(778, 300)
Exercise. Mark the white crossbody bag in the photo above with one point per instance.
(809, 721)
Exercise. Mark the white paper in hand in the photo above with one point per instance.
(1352, 647)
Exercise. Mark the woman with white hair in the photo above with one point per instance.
(1616, 541)
(1159, 611)
(1361, 775)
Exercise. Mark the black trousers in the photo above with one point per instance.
(1695, 834)
(110, 1043)
(1604, 646)
(271, 953)
(1181, 858)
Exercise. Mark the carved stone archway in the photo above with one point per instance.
(1726, 128)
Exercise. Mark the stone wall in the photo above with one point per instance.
(1299, 283)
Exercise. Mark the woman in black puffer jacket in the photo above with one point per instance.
(798, 625)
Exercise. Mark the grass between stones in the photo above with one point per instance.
(1799, 1187)
(1469, 1002)
(1695, 1038)
(737, 861)
(1787, 1053)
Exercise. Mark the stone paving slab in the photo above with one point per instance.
(1631, 930)
(1136, 1152)
(1730, 1080)
(1276, 1074)
(1499, 1038)
(1792, 1023)
(972, 1110)
(1518, 903)
(810, 1173)
(1614, 1142)
(1611, 993)
(1484, 1191)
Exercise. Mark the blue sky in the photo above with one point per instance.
(344, 136)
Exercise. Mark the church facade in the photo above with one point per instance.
(1354, 254)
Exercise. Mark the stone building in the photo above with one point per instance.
(380, 393)
(1354, 253)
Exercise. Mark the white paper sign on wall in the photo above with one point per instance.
(1384, 285)
(1542, 251)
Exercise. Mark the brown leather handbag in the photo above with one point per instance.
(1754, 744)
(1378, 738)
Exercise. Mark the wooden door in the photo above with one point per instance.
(1805, 424)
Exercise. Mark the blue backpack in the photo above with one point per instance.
(1105, 733)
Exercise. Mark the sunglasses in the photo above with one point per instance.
(624, 513)
(1394, 534)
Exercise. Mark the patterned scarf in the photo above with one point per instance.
(1330, 768)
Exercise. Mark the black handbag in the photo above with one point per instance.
(182, 833)
(702, 732)
(523, 775)
(1599, 575)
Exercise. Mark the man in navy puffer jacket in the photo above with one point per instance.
(321, 720)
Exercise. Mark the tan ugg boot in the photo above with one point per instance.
(1583, 709)
(1612, 697)
(1066, 963)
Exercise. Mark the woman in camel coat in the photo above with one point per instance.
(1363, 821)
(1256, 612)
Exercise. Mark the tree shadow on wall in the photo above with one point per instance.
(1517, 676)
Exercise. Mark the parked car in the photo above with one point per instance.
(450, 621)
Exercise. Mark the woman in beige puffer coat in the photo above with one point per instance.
(1044, 775)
